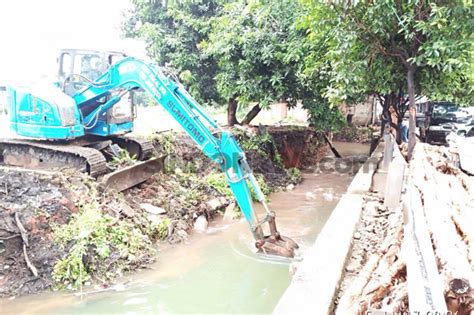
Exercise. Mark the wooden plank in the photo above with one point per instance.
(425, 291)
(450, 249)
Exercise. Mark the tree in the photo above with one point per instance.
(172, 32)
(241, 52)
(255, 44)
(396, 49)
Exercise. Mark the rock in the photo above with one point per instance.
(229, 212)
(310, 196)
(127, 210)
(201, 224)
(328, 196)
(290, 187)
(223, 200)
(152, 209)
(372, 208)
(351, 268)
(182, 234)
(215, 204)
(356, 235)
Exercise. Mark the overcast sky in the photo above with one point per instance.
(32, 32)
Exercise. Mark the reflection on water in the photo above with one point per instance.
(214, 273)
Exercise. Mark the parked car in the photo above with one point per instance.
(445, 118)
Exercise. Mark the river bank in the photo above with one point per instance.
(78, 237)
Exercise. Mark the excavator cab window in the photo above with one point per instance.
(89, 66)
(113, 58)
(65, 66)
(77, 69)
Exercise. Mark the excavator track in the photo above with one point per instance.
(141, 148)
(48, 155)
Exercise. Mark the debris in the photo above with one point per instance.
(20, 226)
(33, 269)
(229, 212)
(152, 209)
(127, 210)
(379, 282)
(290, 187)
(216, 203)
(201, 224)
(328, 196)
(310, 196)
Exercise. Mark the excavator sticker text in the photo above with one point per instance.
(181, 117)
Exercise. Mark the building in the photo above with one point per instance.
(3, 99)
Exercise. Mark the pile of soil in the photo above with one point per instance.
(299, 147)
(351, 133)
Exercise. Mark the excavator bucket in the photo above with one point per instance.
(133, 175)
(276, 244)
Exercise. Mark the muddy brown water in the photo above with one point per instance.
(213, 273)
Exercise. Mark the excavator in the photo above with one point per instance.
(81, 121)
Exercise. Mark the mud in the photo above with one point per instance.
(40, 201)
(299, 147)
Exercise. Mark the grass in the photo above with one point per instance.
(294, 174)
(220, 184)
(123, 159)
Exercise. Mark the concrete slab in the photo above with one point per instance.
(395, 178)
(378, 182)
(362, 182)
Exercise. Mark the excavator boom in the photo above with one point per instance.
(63, 117)
(129, 74)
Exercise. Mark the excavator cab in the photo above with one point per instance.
(77, 69)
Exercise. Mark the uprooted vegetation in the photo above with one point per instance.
(78, 236)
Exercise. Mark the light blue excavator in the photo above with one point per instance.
(79, 121)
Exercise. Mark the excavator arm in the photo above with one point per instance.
(129, 74)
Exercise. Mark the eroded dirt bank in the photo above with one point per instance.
(57, 230)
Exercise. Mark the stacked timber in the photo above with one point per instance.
(447, 196)
(441, 197)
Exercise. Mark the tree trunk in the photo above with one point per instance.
(232, 112)
(251, 114)
(389, 106)
(395, 121)
(411, 110)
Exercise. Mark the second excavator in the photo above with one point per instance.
(71, 124)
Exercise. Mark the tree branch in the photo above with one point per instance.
(251, 114)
